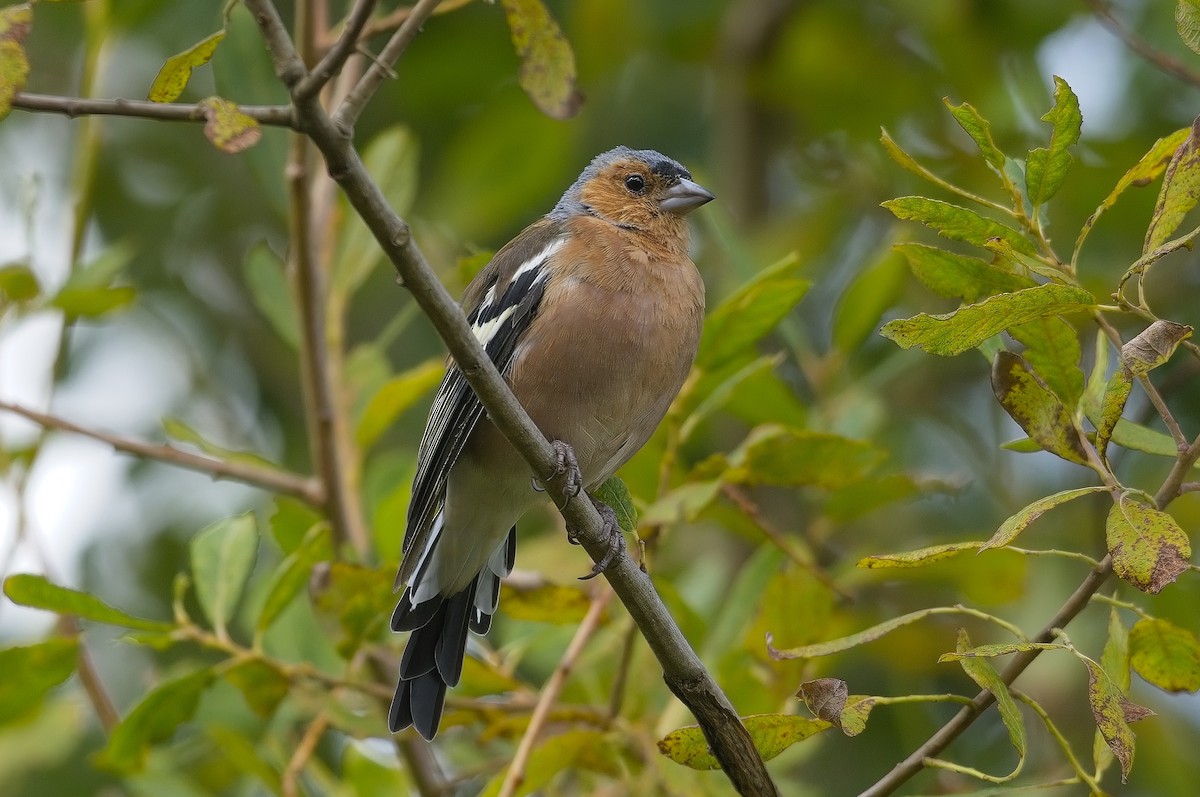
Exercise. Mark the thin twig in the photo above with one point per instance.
(591, 621)
(273, 115)
(342, 49)
(1156, 57)
(684, 673)
(617, 700)
(354, 104)
(306, 488)
(304, 751)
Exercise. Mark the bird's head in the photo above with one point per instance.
(638, 189)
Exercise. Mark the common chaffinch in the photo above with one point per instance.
(593, 316)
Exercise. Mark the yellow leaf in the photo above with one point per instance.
(173, 78)
(14, 71)
(547, 60)
(771, 734)
(227, 127)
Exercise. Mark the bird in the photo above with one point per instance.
(593, 315)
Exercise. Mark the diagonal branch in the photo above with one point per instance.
(274, 115)
(352, 107)
(305, 488)
(342, 49)
(1157, 58)
(683, 671)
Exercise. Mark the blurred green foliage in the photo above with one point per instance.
(807, 466)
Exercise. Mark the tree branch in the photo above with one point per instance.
(273, 115)
(342, 49)
(352, 107)
(683, 671)
(1156, 57)
(305, 488)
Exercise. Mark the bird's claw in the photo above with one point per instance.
(609, 527)
(566, 466)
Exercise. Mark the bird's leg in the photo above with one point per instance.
(566, 466)
(612, 529)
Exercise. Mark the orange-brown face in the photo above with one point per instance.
(642, 196)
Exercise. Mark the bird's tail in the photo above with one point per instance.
(433, 658)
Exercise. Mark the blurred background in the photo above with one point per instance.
(776, 106)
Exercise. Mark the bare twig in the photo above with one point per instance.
(342, 49)
(591, 621)
(1160, 60)
(352, 107)
(274, 115)
(683, 671)
(305, 488)
(304, 750)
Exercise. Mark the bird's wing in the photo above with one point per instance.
(500, 304)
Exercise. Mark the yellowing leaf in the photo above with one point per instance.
(957, 276)
(1179, 193)
(227, 127)
(547, 60)
(1153, 346)
(1010, 528)
(548, 603)
(15, 22)
(1148, 547)
(1036, 409)
(173, 78)
(18, 283)
(1165, 655)
(581, 749)
(778, 455)
(14, 71)
(394, 397)
(1187, 22)
(854, 640)
(957, 223)
(1113, 713)
(1115, 661)
(828, 700)
(1046, 167)
(965, 328)
(1053, 352)
(984, 674)
(771, 734)
(919, 557)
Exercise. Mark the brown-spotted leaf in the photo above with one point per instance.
(1165, 655)
(1001, 649)
(957, 276)
(854, 640)
(771, 734)
(965, 328)
(1113, 712)
(1035, 408)
(919, 557)
(173, 78)
(1153, 346)
(227, 127)
(1010, 528)
(982, 672)
(1116, 393)
(1115, 661)
(956, 222)
(1179, 193)
(1148, 547)
(829, 700)
(547, 60)
(1053, 352)
(14, 71)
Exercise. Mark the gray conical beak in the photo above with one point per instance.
(684, 197)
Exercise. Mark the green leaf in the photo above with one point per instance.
(369, 778)
(956, 222)
(392, 159)
(223, 555)
(545, 603)
(14, 72)
(1187, 22)
(35, 591)
(1113, 713)
(778, 455)
(1053, 352)
(1005, 649)
(1165, 655)
(268, 286)
(18, 283)
(1148, 547)
(1144, 172)
(262, 684)
(749, 313)
(718, 389)
(361, 598)
(1010, 528)
(101, 271)
(590, 750)
(980, 132)
(1179, 193)
(92, 302)
(984, 674)
(852, 641)
(1046, 167)
(866, 299)
(919, 557)
(1036, 409)
(292, 573)
(771, 734)
(965, 328)
(230, 130)
(290, 522)
(31, 671)
(615, 493)
(547, 60)
(394, 397)
(154, 719)
(178, 430)
(957, 276)
(173, 78)
(682, 503)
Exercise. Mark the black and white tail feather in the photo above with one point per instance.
(500, 304)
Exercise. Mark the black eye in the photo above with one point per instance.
(635, 183)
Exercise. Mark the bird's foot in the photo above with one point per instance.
(611, 528)
(566, 467)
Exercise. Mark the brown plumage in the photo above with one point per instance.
(593, 314)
